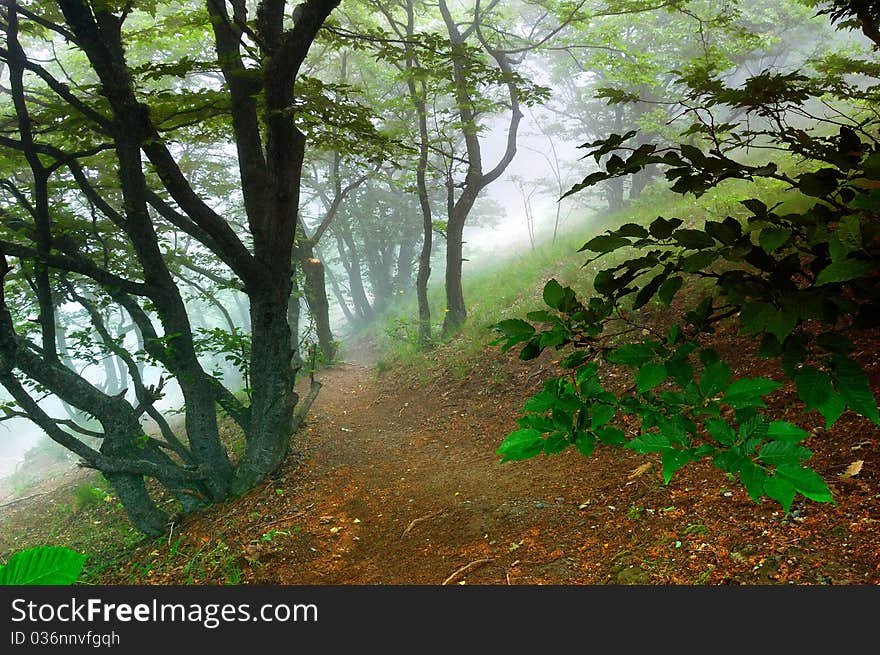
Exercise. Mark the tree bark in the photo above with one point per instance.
(316, 298)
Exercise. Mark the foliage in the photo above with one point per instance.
(43, 565)
(799, 281)
(87, 495)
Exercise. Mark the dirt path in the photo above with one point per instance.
(404, 488)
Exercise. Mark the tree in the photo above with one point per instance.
(127, 125)
(802, 281)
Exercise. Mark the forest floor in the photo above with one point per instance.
(396, 481)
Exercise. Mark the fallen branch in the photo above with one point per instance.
(415, 522)
(467, 568)
(306, 404)
(21, 500)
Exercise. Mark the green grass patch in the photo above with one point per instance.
(510, 286)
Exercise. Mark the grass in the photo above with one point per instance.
(511, 286)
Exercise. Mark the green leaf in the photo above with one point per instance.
(631, 230)
(631, 354)
(781, 323)
(555, 443)
(831, 409)
(649, 376)
(531, 350)
(680, 370)
(781, 452)
(601, 414)
(742, 392)
(807, 482)
(843, 270)
(672, 461)
(785, 431)
(585, 443)
(752, 476)
(835, 343)
(781, 490)
(726, 232)
(649, 443)
(715, 379)
(755, 206)
(553, 294)
(819, 183)
(540, 402)
(813, 386)
(541, 316)
(521, 444)
(753, 427)
(647, 292)
(611, 435)
(662, 228)
(693, 239)
(720, 431)
(699, 261)
(605, 243)
(854, 388)
(43, 565)
(575, 359)
(668, 290)
(772, 237)
(754, 316)
(514, 328)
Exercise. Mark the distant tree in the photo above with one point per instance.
(636, 64)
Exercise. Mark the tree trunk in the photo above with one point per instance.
(404, 273)
(315, 293)
(337, 293)
(293, 314)
(352, 263)
(273, 397)
(614, 193)
(455, 309)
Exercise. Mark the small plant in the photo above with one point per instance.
(87, 495)
(696, 528)
(634, 513)
(271, 534)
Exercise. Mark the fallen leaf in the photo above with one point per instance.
(853, 469)
(640, 470)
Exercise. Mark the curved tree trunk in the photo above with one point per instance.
(315, 293)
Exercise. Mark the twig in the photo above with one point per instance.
(415, 522)
(282, 519)
(467, 568)
(171, 533)
(538, 372)
(21, 500)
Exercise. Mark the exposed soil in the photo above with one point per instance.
(397, 483)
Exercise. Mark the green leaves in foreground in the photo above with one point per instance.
(683, 417)
(44, 565)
